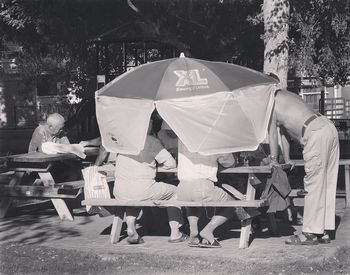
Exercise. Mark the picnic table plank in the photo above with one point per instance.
(36, 192)
(346, 164)
(6, 202)
(59, 204)
(41, 163)
(246, 201)
(167, 203)
(247, 224)
(39, 157)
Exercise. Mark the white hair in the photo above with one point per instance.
(55, 119)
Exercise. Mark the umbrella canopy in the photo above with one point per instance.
(213, 107)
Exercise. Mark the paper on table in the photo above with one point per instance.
(56, 148)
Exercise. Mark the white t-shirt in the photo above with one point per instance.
(193, 166)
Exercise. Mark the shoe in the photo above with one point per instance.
(139, 240)
(193, 242)
(307, 239)
(324, 239)
(214, 244)
(183, 238)
(301, 193)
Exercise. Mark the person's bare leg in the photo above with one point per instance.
(193, 217)
(208, 231)
(175, 221)
(131, 214)
(131, 227)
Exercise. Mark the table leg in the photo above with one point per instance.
(117, 224)
(247, 224)
(347, 184)
(59, 204)
(6, 202)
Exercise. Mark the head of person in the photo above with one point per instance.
(166, 128)
(55, 123)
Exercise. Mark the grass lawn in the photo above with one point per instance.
(34, 259)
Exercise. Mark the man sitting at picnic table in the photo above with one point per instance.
(197, 175)
(50, 131)
(135, 180)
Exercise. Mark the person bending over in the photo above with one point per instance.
(320, 142)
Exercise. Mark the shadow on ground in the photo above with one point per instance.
(34, 223)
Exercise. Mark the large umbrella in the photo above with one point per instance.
(213, 107)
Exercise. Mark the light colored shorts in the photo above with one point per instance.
(156, 191)
(201, 190)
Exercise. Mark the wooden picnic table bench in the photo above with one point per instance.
(40, 163)
(66, 190)
(246, 200)
(342, 162)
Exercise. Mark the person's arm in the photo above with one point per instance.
(273, 138)
(64, 140)
(91, 142)
(102, 156)
(227, 160)
(286, 147)
(36, 141)
(166, 159)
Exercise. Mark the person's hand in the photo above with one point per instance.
(274, 163)
(84, 143)
(291, 163)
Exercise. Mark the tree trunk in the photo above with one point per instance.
(276, 16)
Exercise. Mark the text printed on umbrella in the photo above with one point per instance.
(190, 80)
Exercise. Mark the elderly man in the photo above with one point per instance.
(51, 130)
(319, 139)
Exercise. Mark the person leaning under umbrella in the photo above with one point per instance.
(319, 139)
(135, 180)
(197, 175)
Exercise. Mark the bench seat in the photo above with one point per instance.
(167, 203)
(120, 212)
(67, 190)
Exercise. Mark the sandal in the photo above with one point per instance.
(214, 244)
(307, 239)
(183, 238)
(193, 242)
(325, 238)
(139, 240)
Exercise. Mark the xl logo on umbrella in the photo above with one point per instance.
(190, 80)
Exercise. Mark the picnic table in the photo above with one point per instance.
(246, 199)
(342, 162)
(41, 163)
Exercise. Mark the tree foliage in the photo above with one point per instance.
(320, 39)
(55, 35)
(276, 26)
(58, 31)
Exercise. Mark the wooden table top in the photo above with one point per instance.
(39, 157)
(236, 170)
(301, 162)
